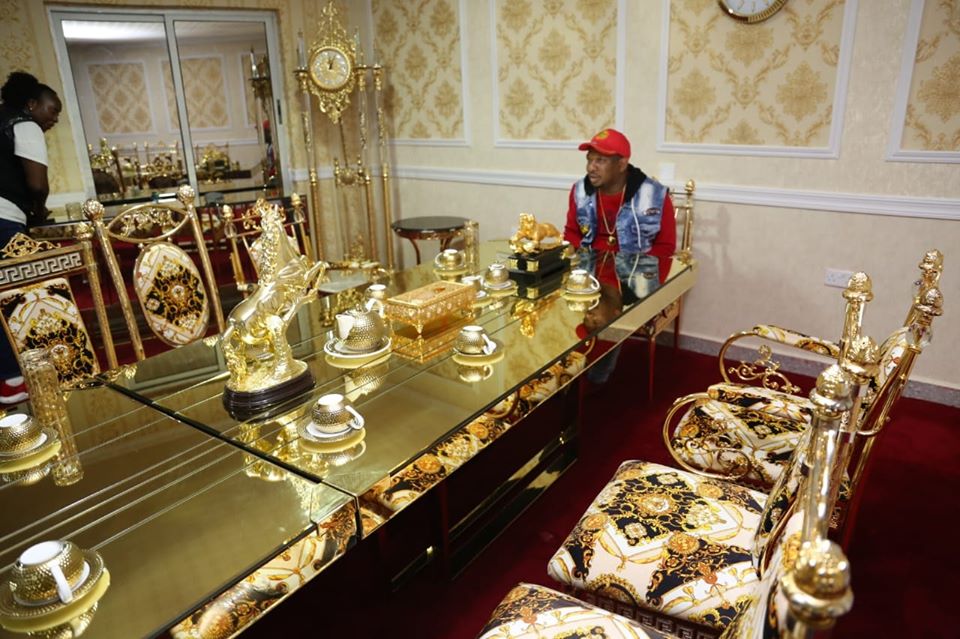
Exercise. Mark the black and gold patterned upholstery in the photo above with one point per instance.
(38, 308)
(747, 433)
(177, 298)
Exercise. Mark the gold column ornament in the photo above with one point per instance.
(384, 163)
(686, 240)
(263, 371)
(306, 123)
(49, 407)
(84, 235)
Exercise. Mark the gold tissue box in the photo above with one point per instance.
(430, 303)
(423, 347)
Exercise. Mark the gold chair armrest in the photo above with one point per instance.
(765, 369)
(738, 464)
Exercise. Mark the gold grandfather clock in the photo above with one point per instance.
(332, 71)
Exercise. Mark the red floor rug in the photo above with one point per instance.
(902, 563)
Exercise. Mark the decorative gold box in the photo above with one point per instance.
(429, 303)
(423, 347)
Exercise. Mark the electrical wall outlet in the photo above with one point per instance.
(838, 278)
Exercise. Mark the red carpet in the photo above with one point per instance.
(902, 569)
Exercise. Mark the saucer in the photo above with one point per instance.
(36, 456)
(580, 295)
(44, 436)
(592, 290)
(334, 349)
(311, 433)
(328, 447)
(19, 618)
(502, 290)
(480, 358)
(447, 272)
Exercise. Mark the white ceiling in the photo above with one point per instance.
(104, 31)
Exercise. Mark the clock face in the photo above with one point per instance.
(330, 68)
(751, 10)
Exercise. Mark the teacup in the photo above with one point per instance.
(361, 330)
(497, 275)
(473, 340)
(377, 292)
(580, 281)
(332, 414)
(47, 572)
(476, 281)
(473, 374)
(449, 259)
(19, 433)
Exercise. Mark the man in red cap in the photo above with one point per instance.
(616, 206)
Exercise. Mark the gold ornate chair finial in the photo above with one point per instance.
(818, 589)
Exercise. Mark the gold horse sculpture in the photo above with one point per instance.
(254, 343)
(533, 236)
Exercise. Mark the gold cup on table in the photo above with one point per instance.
(332, 414)
(497, 276)
(377, 292)
(19, 434)
(473, 340)
(449, 259)
(581, 281)
(47, 572)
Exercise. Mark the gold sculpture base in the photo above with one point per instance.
(243, 405)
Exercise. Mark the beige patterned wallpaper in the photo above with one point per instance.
(120, 94)
(556, 68)
(419, 44)
(765, 84)
(204, 92)
(170, 95)
(932, 121)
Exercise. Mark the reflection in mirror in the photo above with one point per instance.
(226, 85)
(132, 135)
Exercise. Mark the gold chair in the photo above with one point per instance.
(244, 230)
(38, 308)
(746, 433)
(175, 298)
(671, 314)
(698, 556)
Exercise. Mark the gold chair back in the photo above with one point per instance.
(176, 298)
(244, 230)
(38, 309)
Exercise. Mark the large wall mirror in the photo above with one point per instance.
(171, 98)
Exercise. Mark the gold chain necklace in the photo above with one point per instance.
(611, 233)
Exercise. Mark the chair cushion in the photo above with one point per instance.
(665, 539)
(171, 293)
(535, 612)
(45, 315)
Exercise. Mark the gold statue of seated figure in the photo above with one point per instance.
(533, 236)
(254, 343)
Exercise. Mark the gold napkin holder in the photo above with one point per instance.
(429, 304)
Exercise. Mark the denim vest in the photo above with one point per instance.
(638, 220)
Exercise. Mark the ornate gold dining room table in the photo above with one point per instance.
(205, 521)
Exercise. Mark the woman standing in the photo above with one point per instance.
(29, 109)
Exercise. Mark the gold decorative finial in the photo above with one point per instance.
(93, 210)
(931, 302)
(860, 287)
(818, 588)
(834, 390)
(932, 261)
(862, 358)
(690, 187)
(186, 195)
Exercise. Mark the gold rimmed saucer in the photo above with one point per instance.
(510, 289)
(32, 458)
(350, 363)
(450, 272)
(335, 446)
(318, 437)
(19, 618)
(481, 359)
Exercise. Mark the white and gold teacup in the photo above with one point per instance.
(19, 434)
(449, 259)
(497, 275)
(332, 414)
(581, 281)
(47, 572)
(473, 340)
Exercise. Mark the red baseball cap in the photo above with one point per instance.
(608, 142)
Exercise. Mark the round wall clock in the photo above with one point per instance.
(751, 11)
(330, 68)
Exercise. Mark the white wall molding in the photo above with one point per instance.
(831, 151)
(619, 86)
(895, 152)
(839, 202)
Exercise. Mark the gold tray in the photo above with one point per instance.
(429, 303)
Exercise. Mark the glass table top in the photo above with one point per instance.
(411, 403)
(158, 500)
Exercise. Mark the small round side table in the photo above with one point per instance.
(431, 227)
